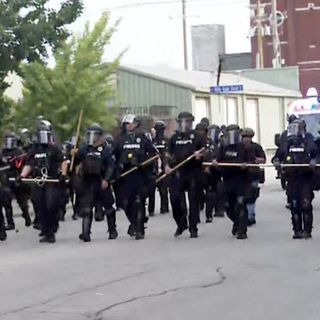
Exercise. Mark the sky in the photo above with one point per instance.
(153, 32)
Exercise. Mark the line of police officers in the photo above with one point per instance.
(116, 172)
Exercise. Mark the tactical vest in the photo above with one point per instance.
(93, 161)
(298, 153)
(133, 150)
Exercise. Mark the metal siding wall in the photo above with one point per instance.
(138, 91)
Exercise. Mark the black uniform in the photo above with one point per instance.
(299, 149)
(46, 160)
(181, 146)
(161, 144)
(15, 159)
(131, 149)
(235, 181)
(213, 179)
(97, 164)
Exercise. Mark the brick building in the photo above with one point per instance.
(299, 37)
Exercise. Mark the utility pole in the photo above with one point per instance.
(260, 35)
(275, 36)
(184, 27)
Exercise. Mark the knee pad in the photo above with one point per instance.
(306, 205)
(85, 212)
(240, 201)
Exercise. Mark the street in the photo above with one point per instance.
(268, 276)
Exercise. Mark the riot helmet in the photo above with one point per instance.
(10, 141)
(214, 133)
(130, 122)
(184, 122)
(25, 136)
(205, 121)
(93, 134)
(296, 129)
(43, 134)
(232, 135)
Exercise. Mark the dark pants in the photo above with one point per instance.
(47, 202)
(164, 195)
(300, 195)
(179, 184)
(6, 204)
(133, 192)
(235, 191)
(90, 195)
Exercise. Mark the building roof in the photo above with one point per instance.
(201, 81)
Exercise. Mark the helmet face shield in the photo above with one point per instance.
(232, 137)
(92, 137)
(43, 137)
(184, 125)
(214, 134)
(127, 119)
(10, 142)
(295, 129)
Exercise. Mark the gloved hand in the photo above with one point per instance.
(62, 180)
(313, 163)
(18, 180)
(276, 163)
(215, 163)
(243, 165)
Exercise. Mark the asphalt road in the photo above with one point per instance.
(268, 276)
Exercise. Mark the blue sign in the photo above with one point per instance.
(227, 89)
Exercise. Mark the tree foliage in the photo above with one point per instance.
(78, 81)
(28, 28)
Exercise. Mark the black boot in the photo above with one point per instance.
(193, 232)
(131, 231)
(3, 235)
(48, 238)
(113, 234)
(26, 217)
(86, 229)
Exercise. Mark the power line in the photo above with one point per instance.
(168, 2)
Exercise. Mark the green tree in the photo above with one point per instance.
(28, 28)
(78, 81)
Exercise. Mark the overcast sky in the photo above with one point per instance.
(153, 32)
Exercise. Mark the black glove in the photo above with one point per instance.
(18, 180)
(313, 163)
(276, 163)
(62, 180)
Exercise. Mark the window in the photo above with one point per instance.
(252, 117)
(231, 110)
(201, 109)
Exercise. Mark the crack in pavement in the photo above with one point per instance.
(99, 314)
(70, 294)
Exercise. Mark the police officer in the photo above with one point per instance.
(45, 160)
(132, 148)
(253, 154)
(184, 143)
(298, 148)
(161, 144)
(235, 180)
(213, 175)
(12, 155)
(3, 233)
(202, 129)
(97, 168)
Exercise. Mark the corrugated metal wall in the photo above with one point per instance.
(139, 91)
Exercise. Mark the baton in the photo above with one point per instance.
(77, 140)
(259, 165)
(39, 181)
(5, 168)
(141, 165)
(179, 165)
